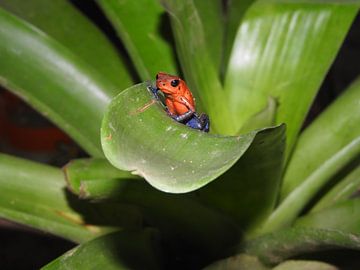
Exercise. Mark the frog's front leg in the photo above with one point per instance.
(154, 90)
(183, 117)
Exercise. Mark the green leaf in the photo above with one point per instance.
(343, 216)
(340, 192)
(276, 247)
(137, 135)
(143, 28)
(63, 22)
(241, 261)
(264, 118)
(336, 127)
(212, 19)
(53, 80)
(179, 217)
(95, 178)
(273, 55)
(120, 250)
(257, 174)
(33, 194)
(197, 64)
(292, 205)
(235, 11)
(304, 265)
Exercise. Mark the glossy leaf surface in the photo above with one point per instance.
(120, 250)
(95, 178)
(263, 118)
(137, 135)
(199, 69)
(235, 11)
(62, 21)
(338, 126)
(257, 174)
(33, 194)
(342, 191)
(211, 15)
(273, 57)
(53, 80)
(292, 205)
(343, 216)
(145, 34)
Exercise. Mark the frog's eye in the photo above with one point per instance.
(175, 83)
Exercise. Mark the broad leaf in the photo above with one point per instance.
(343, 216)
(96, 178)
(120, 250)
(235, 11)
(179, 217)
(276, 247)
(137, 135)
(248, 191)
(34, 195)
(63, 22)
(336, 127)
(212, 19)
(53, 80)
(264, 118)
(145, 32)
(273, 56)
(197, 64)
(292, 205)
(340, 192)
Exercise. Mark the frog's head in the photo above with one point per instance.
(168, 84)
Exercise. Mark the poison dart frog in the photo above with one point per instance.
(179, 101)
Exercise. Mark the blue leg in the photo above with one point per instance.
(159, 98)
(154, 90)
(183, 117)
(201, 122)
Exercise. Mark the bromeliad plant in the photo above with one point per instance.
(253, 189)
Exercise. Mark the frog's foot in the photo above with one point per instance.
(201, 122)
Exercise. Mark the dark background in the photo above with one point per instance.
(25, 133)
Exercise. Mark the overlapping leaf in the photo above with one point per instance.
(237, 189)
(343, 216)
(137, 135)
(34, 194)
(120, 250)
(96, 179)
(273, 57)
(179, 217)
(63, 22)
(344, 190)
(200, 70)
(53, 80)
(144, 30)
(278, 246)
(336, 127)
(292, 205)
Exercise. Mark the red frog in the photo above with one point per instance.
(179, 101)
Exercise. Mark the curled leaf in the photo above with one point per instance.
(137, 135)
